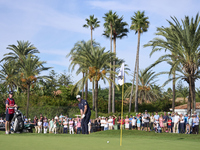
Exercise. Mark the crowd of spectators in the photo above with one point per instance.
(167, 122)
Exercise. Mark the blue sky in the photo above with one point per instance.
(55, 26)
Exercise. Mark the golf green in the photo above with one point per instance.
(98, 141)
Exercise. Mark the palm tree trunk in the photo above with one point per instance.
(86, 89)
(174, 92)
(192, 92)
(28, 98)
(113, 87)
(189, 104)
(131, 96)
(137, 72)
(93, 97)
(110, 85)
(96, 98)
(83, 89)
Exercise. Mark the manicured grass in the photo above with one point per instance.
(98, 141)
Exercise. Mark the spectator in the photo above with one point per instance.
(127, 123)
(190, 122)
(169, 125)
(40, 126)
(65, 124)
(133, 123)
(138, 122)
(56, 117)
(146, 118)
(78, 127)
(187, 128)
(110, 123)
(151, 121)
(1, 120)
(55, 127)
(142, 117)
(196, 124)
(182, 124)
(51, 124)
(172, 117)
(165, 119)
(61, 125)
(102, 123)
(41, 118)
(118, 122)
(89, 126)
(45, 126)
(130, 122)
(176, 123)
(156, 118)
(36, 124)
(61, 116)
(71, 126)
(106, 125)
(161, 122)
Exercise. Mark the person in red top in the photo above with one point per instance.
(10, 104)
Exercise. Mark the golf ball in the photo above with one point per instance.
(107, 141)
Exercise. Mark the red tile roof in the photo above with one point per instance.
(185, 106)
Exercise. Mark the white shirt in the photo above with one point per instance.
(65, 124)
(103, 122)
(133, 122)
(176, 118)
(110, 121)
(39, 123)
(106, 124)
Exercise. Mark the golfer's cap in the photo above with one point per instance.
(78, 96)
(11, 92)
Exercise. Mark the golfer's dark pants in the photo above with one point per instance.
(84, 123)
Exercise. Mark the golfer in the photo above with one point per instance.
(85, 113)
(10, 104)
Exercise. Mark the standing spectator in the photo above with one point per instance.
(146, 121)
(127, 123)
(1, 120)
(106, 125)
(78, 127)
(61, 116)
(51, 124)
(118, 122)
(182, 124)
(65, 123)
(55, 127)
(45, 126)
(130, 122)
(190, 122)
(138, 122)
(133, 123)
(56, 117)
(102, 123)
(156, 118)
(169, 125)
(40, 126)
(36, 124)
(151, 121)
(142, 122)
(176, 123)
(85, 113)
(10, 104)
(61, 125)
(71, 126)
(110, 123)
(161, 122)
(165, 119)
(196, 124)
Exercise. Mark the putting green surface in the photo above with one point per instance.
(98, 141)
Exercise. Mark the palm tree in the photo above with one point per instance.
(119, 31)
(185, 58)
(30, 68)
(139, 24)
(92, 23)
(110, 20)
(97, 61)
(20, 51)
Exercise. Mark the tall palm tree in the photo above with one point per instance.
(185, 58)
(92, 23)
(21, 50)
(98, 62)
(31, 67)
(110, 20)
(119, 31)
(139, 24)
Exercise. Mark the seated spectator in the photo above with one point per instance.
(65, 124)
(45, 126)
(40, 126)
(187, 128)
